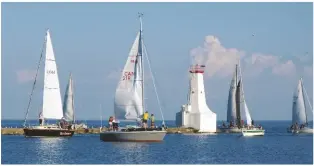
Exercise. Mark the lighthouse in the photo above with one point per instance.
(196, 113)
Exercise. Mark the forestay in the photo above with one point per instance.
(52, 104)
(298, 107)
(68, 105)
(129, 93)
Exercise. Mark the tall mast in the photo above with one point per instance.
(142, 62)
(236, 80)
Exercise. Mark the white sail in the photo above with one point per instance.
(247, 114)
(52, 104)
(307, 97)
(128, 98)
(246, 109)
(298, 106)
(68, 104)
(231, 109)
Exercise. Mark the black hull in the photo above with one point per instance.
(29, 132)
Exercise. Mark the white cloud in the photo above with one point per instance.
(286, 69)
(308, 71)
(220, 61)
(26, 75)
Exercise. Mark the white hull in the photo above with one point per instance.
(132, 136)
(305, 130)
(252, 132)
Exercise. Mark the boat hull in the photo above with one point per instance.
(31, 132)
(305, 130)
(132, 136)
(253, 132)
(230, 130)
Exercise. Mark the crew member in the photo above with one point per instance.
(152, 121)
(145, 118)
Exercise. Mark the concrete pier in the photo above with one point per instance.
(174, 130)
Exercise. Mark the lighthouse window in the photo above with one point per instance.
(192, 91)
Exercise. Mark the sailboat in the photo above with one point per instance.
(249, 129)
(232, 115)
(299, 116)
(52, 105)
(129, 99)
(68, 103)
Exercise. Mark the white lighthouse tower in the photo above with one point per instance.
(196, 113)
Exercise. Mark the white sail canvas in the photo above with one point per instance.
(231, 109)
(247, 114)
(128, 98)
(52, 104)
(246, 109)
(298, 106)
(68, 105)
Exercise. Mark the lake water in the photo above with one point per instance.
(276, 147)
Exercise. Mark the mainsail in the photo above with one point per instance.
(298, 106)
(68, 103)
(129, 93)
(231, 110)
(238, 103)
(52, 104)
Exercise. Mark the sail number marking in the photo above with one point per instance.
(127, 75)
(51, 72)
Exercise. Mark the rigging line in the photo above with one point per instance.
(30, 98)
(153, 79)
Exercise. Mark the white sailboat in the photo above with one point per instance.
(249, 129)
(231, 127)
(68, 102)
(129, 99)
(52, 105)
(299, 116)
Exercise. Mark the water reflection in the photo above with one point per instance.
(132, 152)
(49, 150)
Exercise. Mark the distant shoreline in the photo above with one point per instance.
(131, 121)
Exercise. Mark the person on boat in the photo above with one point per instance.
(110, 122)
(223, 124)
(114, 124)
(296, 125)
(145, 118)
(152, 121)
(41, 118)
(231, 124)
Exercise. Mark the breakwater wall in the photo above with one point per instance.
(174, 130)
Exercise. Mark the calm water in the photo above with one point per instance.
(276, 147)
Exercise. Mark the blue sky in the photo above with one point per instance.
(92, 40)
